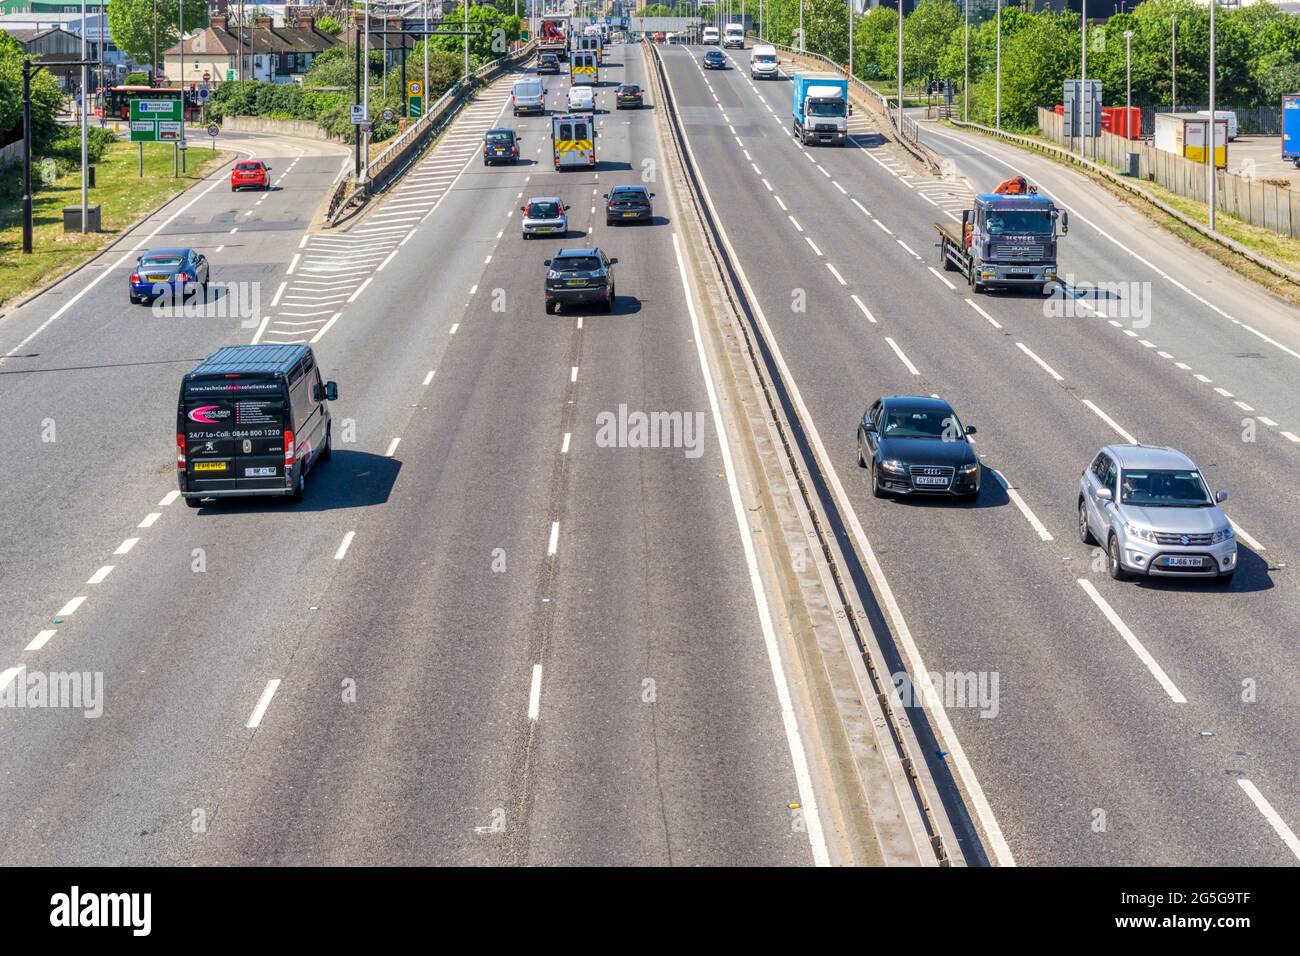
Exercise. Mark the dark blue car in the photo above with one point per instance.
(715, 60)
(171, 272)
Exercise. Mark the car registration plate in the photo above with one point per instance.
(930, 480)
(542, 229)
(158, 278)
(259, 472)
(209, 466)
(573, 282)
(1175, 561)
(629, 215)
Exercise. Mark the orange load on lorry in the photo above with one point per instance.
(1015, 186)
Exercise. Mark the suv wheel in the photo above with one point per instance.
(1085, 533)
(550, 308)
(194, 502)
(1113, 564)
(329, 444)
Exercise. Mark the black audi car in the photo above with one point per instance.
(579, 277)
(628, 204)
(917, 445)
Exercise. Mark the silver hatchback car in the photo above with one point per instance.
(545, 216)
(1150, 508)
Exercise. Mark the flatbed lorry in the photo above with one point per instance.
(1006, 240)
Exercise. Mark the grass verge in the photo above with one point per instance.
(122, 194)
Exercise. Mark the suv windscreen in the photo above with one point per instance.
(500, 139)
(543, 210)
(1164, 488)
(575, 264)
(920, 423)
(627, 195)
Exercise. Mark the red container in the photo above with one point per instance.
(1060, 109)
(1127, 122)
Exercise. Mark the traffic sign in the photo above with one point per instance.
(389, 114)
(203, 93)
(358, 113)
(207, 77)
(414, 88)
(156, 120)
(230, 74)
(213, 130)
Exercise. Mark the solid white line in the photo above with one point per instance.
(835, 273)
(941, 277)
(564, 446)
(261, 328)
(573, 374)
(279, 292)
(387, 260)
(1263, 806)
(535, 693)
(973, 305)
(262, 704)
(1245, 537)
(554, 542)
(1111, 422)
(1131, 640)
(325, 328)
(392, 447)
(40, 640)
(149, 519)
(899, 352)
(865, 311)
(794, 740)
(294, 264)
(1043, 365)
(98, 576)
(360, 289)
(126, 545)
(1019, 502)
(71, 606)
(343, 548)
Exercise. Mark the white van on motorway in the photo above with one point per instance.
(763, 64)
(582, 99)
(710, 37)
(528, 96)
(734, 36)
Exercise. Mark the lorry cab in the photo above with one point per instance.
(252, 420)
(1010, 239)
(573, 141)
(821, 108)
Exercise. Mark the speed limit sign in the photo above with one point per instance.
(388, 115)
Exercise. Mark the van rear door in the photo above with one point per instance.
(234, 435)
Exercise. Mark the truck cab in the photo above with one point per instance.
(1006, 240)
(821, 108)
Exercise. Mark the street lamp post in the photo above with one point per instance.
(1128, 74)
(965, 83)
(1212, 137)
(851, 12)
(1173, 62)
(85, 199)
(1083, 73)
(997, 107)
(900, 67)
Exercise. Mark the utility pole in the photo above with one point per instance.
(356, 130)
(103, 119)
(465, 3)
(965, 83)
(27, 155)
(1173, 62)
(1212, 133)
(1128, 75)
(900, 67)
(424, 88)
(851, 11)
(1083, 70)
(997, 109)
(85, 78)
(365, 77)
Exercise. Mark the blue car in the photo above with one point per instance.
(172, 272)
(715, 60)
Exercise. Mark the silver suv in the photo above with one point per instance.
(1152, 511)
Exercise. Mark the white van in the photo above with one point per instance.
(763, 64)
(710, 37)
(734, 36)
(528, 96)
(582, 99)
(1228, 115)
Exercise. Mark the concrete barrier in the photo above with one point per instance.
(303, 129)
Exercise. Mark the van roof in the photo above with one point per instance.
(249, 360)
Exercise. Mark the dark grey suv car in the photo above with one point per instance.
(579, 277)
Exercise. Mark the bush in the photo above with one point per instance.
(65, 147)
(136, 79)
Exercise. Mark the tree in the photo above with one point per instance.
(133, 25)
(329, 25)
(1035, 64)
(337, 67)
(493, 33)
(875, 41)
(925, 35)
(46, 97)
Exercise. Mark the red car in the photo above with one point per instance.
(251, 173)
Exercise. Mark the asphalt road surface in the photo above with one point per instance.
(482, 637)
(1134, 723)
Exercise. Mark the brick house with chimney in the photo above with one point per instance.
(269, 53)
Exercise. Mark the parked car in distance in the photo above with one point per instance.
(916, 445)
(250, 174)
(545, 216)
(1152, 511)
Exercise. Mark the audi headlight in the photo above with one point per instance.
(969, 469)
(894, 465)
(1146, 534)
(1227, 534)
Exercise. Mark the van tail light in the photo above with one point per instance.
(288, 449)
(180, 452)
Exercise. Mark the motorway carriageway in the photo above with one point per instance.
(481, 638)
(1137, 723)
